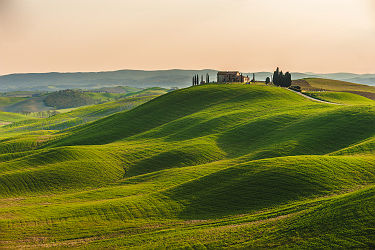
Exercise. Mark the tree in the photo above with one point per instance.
(279, 79)
(268, 80)
(195, 80)
(288, 80)
(276, 77)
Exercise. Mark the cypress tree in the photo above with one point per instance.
(268, 80)
(281, 78)
(276, 77)
(288, 79)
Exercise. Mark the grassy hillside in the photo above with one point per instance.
(318, 84)
(6, 101)
(341, 97)
(74, 117)
(118, 89)
(203, 167)
(10, 117)
(67, 99)
(32, 104)
(335, 85)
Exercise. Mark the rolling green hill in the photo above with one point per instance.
(6, 101)
(66, 99)
(32, 104)
(6, 117)
(335, 85)
(82, 115)
(210, 166)
(313, 84)
(341, 97)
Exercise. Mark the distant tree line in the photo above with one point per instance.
(281, 79)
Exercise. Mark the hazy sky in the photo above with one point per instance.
(248, 35)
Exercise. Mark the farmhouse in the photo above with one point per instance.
(231, 76)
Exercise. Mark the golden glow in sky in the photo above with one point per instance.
(248, 35)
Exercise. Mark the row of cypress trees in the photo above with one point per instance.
(281, 79)
(196, 79)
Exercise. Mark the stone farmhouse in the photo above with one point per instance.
(231, 77)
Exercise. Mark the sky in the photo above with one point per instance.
(321, 36)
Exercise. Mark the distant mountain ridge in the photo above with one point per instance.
(139, 78)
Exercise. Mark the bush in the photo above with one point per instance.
(296, 88)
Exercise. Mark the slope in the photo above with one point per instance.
(341, 97)
(335, 85)
(6, 117)
(86, 114)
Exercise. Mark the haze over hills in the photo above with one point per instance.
(139, 78)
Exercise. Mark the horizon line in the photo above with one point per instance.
(154, 70)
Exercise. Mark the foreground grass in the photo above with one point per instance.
(204, 167)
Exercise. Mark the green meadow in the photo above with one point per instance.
(206, 167)
(6, 117)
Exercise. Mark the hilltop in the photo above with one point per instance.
(204, 167)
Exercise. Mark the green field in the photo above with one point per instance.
(211, 166)
(334, 85)
(6, 117)
(67, 99)
(6, 101)
(341, 98)
(318, 84)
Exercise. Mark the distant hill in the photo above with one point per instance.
(94, 80)
(138, 78)
(66, 99)
(32, 104)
